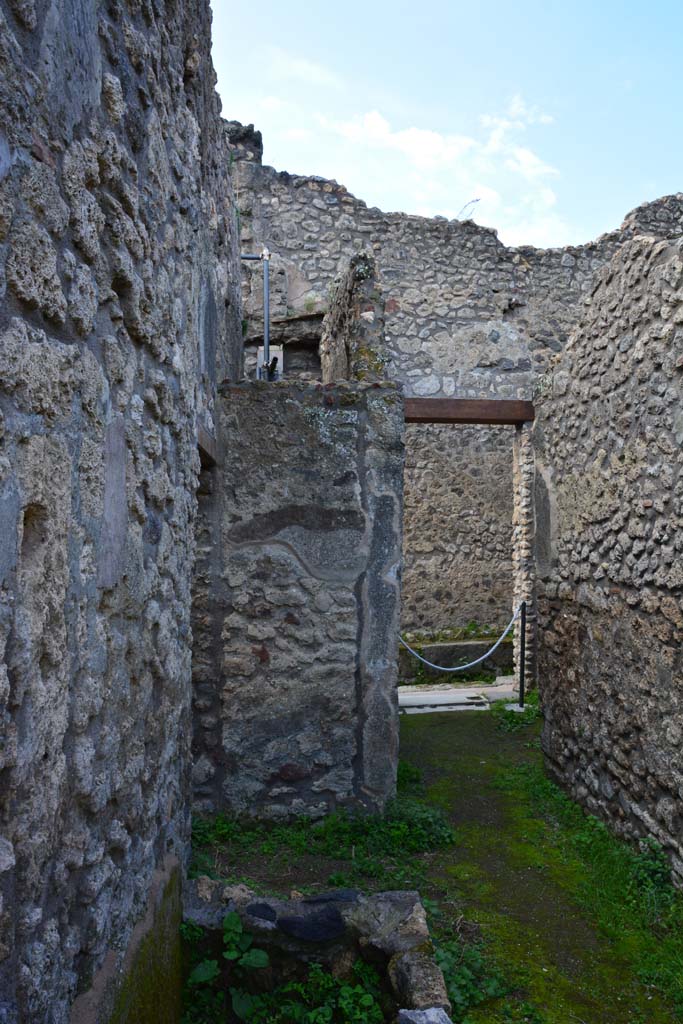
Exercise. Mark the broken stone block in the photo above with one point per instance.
(417, 981)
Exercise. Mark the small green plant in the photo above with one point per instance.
(649, 887)
(191, 933)
(320, 999)
(204, 1001)
(407, 776)
(520, 1013)
(470, 977)
(513, 721)
(238, 944)
(377, 847)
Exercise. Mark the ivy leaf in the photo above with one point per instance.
(242, 1003)
(204, 973)
(255, 958)
(232, 925)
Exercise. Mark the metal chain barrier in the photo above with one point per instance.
(462, 668)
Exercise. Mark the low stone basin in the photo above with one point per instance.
(388, 930)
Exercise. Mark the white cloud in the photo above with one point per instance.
(530, 166)
(420, 146)
(494, 174)
(297, 134)
(489, 177)
(521, 111)
(284, 66)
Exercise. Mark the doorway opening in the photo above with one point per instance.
(468, 566)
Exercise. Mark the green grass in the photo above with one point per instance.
(573, 924)
(378, 847)
(539, 914)
(626, 891)
(472, 631)
(514, 721)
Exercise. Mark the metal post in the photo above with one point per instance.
(265, 255)
(522, 653)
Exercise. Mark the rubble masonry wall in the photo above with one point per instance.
(297, 614)
(609, 508)
(119, 310)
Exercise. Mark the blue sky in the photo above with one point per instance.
(557, 117)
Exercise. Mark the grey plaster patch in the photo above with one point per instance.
(6, 157)
(208, 332)
(69, 29)
(7, 858)
(115, 518)
(9, 508)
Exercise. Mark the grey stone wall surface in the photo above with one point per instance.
(119, 309)
(465, 316)
(609, 543)
(352, 341)
(523, 556)
(457, 541)
(295, 680)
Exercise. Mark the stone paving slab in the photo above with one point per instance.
(444, 697)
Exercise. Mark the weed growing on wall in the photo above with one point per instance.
(472, 631)
(421, 677)
(211, 995)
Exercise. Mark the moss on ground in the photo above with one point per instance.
(569, 942)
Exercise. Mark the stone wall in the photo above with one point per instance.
(457, 544)
(523, 542)
(119, 308)
(609, 544)
(295, 690)
(352, 341)
(465, 317)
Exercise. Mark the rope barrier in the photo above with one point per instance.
(461, 668)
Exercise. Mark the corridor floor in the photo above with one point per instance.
(517, 876)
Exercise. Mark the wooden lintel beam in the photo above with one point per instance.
(491, 411)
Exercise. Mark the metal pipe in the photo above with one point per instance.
(266, 310)
(522, 653)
